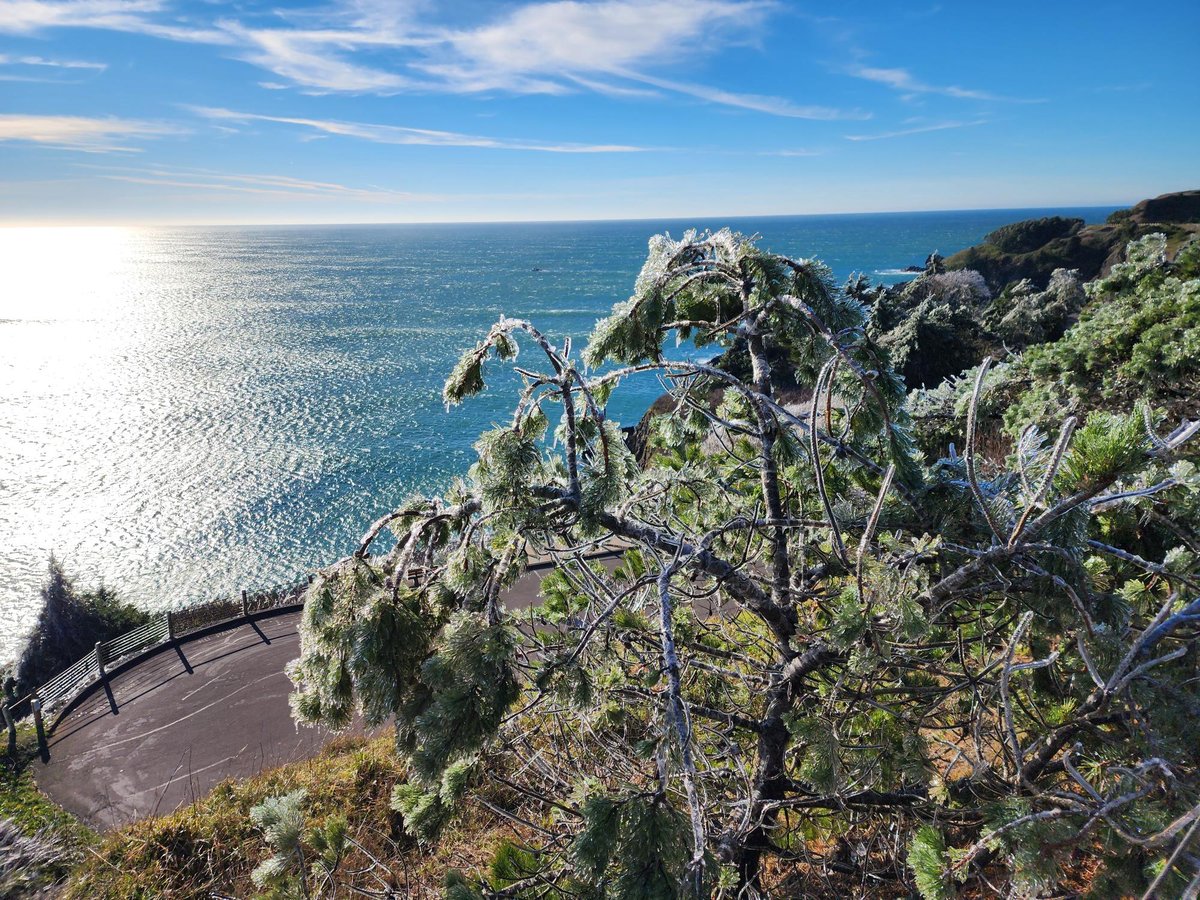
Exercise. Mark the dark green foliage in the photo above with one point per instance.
(1106, 448)
(507, 459)
(305, 858)
(1023, 315)
(469, 685)
(424, 812)
(938, 413)
(70, 623)
(1187, 260)
(631, 333)
(466, 379)
(932, 328)
(353, 629)
(512, 864)
(1029, 235)
(1086, 250)
(632, 848)
(457, 887)
(606, 476)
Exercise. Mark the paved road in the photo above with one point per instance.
(176, 724)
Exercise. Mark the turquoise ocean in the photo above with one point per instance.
(188, 412)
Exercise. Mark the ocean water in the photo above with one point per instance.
(188, 412)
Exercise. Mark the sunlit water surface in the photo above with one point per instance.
(184, 413)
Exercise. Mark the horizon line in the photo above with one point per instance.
(558, 221)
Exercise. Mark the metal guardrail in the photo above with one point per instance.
(162, 628)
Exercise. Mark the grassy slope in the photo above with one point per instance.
(34, 814)
(24, 804)
(209, 848)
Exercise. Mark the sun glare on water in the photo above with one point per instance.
(65, 317)
(62, 273)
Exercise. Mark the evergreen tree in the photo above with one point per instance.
(816, 645)
(304, 858)
(69, 624)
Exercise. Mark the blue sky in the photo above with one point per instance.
(201, 111)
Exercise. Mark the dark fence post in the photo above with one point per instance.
(245, 604)
(11, 724)
(100, 660)
(170, 626)
(39, 724)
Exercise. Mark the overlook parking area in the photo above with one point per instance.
(168, 728)
(172, 726)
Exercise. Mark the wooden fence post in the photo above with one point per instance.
(11, 724)
(39, 724)
(170, 626)
(245, 604)
(100, 660)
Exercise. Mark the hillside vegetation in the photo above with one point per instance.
(69, 624)
(858, 642)
(1035, 248)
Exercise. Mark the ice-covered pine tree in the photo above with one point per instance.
(814, 646)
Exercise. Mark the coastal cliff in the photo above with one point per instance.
(1034, 248)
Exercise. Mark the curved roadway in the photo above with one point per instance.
(171, 727)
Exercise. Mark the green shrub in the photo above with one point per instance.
(1027, 236)
(70, 623)
(1137, 339)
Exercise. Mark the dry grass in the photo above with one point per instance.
(210, 847)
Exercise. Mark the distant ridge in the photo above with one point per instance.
(1034, 248)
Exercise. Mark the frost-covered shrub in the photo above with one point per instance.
(812, 662)
(960, 286)
(304, 859)
(1138, 338)
(28, 862)
(932, 328)
(1028, 316)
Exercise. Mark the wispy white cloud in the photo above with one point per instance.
(283, 186)
(613, 47)
(397, 134)
(6, 60)
(137, 16)
(555, 39)
(608, 89)
(610, 47)
(775, 106)
(917, 129)
(904, 81)
(315, 59)
(91, 135)
(799, 152)
(1131, 88)
(40, 70)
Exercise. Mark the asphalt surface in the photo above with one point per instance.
(176, 724)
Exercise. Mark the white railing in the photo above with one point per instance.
(162, 628)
